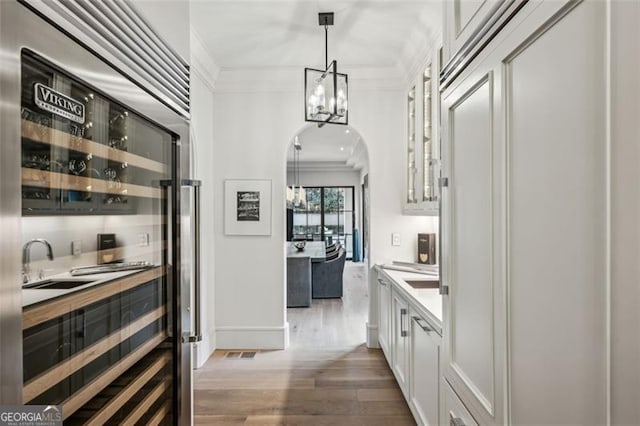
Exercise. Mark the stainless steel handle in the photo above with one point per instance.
(443, 183)
(455, 421)
(403, 313)
(197, 329)
(167, 211)
(423, 324)
(382, 283)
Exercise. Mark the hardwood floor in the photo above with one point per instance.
(326, 377)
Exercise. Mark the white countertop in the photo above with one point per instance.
(316, 250)
(427, 300)
(33, 296)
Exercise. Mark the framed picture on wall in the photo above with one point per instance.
(247, 207)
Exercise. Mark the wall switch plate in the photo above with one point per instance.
(395, 239)
(143, 239)
(76, 247)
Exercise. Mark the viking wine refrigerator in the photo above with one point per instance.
(96, 246)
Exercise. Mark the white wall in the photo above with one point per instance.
(250, 138)
(255, 118)
(171, 19)
(202, 150)
(60, 231)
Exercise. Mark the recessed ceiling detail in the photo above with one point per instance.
(329, 144)
(268, 33)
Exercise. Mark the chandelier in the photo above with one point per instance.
(326, 91)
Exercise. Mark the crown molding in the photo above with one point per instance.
(417, 54)
(201, 62)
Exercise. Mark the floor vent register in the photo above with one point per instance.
(240, 355)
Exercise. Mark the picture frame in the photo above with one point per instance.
(247, 207)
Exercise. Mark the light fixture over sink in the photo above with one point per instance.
(326, 91)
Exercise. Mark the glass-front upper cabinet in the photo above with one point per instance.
(423, 166)
(430, 157)
(411, 146)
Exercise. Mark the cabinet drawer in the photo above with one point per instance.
(456, 414)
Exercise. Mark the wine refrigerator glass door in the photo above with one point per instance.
(91, 166)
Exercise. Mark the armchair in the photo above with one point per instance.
(326, 277)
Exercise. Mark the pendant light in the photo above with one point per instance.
(326, 91)
(296, 195)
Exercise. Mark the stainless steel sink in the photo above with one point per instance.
(56, 284)
(420, 284)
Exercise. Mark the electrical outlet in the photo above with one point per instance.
(395, 239)
(76, 247)
(143, 239)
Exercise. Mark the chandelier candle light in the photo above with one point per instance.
(326, 91)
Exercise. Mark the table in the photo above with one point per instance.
(314, 249)
(299, 272)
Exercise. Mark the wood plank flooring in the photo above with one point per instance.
(326, 377)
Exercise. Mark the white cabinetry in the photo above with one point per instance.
(425, 371)
(456, 414)
(423, 153)
(469, 25)
(384, 307)
(463, 18)
(400, 341)
(524, 221)
(470, 348)
(411, 343)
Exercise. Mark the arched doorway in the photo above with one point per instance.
(327, 184)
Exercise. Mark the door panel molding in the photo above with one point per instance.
(459, 361)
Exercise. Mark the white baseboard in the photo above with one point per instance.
(372, 336)
(204, 349)
(252, 337)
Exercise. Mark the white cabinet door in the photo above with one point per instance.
(468, 213)
(384, 307)
(425, 371)
(400, 341)
(555, 100)
(461, 19)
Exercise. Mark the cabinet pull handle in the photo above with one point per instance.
(382, 283)
(403, 332)
(455, 421)
(423, 324)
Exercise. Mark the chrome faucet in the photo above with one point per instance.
(26, 257)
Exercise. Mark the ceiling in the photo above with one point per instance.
(285, 33)
(330, 143)
(269, 34)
